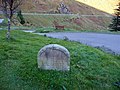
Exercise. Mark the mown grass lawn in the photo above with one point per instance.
(91, 69)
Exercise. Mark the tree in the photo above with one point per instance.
(115, 25)
(9, 7)
(20, 17)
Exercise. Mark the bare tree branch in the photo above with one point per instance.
(9, 7)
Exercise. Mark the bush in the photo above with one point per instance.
(20, 17)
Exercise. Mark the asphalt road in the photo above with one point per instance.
(109, 42)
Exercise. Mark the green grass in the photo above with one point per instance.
(52, 29)
(91, 69)
(69, 21)
(44, 24)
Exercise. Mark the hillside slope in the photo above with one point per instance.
(69, 21)
(103, 5)
(90, 9)
(75, 6)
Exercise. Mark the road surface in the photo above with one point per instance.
(110, 42)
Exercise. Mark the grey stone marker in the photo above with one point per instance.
(54, 57)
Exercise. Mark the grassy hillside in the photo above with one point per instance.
(100, 7)
(70, 21)
(75, 21)
(103, 5)
(75, 6)
(83, 7)
(91, 69)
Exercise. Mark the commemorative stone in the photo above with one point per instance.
(54, 57)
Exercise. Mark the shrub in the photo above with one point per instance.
(20, 17)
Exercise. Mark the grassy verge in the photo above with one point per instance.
(91, 69)
(52, 29)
